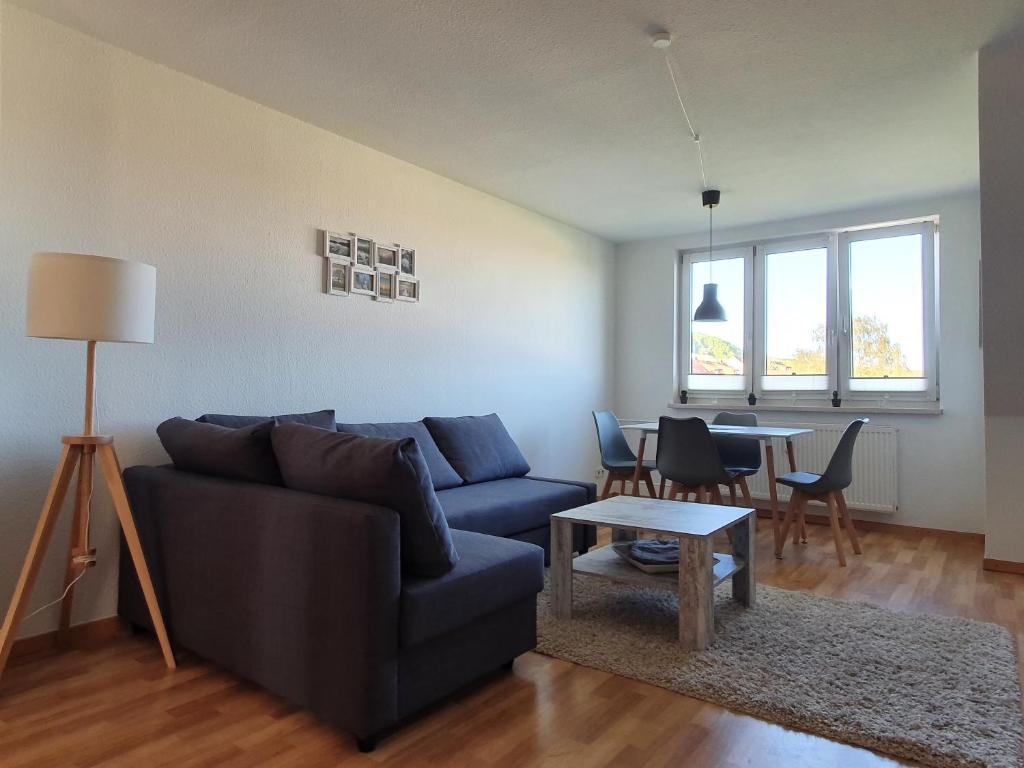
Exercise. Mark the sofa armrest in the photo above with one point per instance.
(297, 592)
(590, 488)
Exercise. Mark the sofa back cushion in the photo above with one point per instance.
(441, 471)
(243, 453)
(322, 419)
(389, 473)
(478, 447)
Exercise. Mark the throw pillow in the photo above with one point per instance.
(389, 473)
(441, 471)
(478, 447)
(322, 419)
(243, 453)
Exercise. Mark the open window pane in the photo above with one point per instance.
(887, 338)
(716, 349)
(796, 320)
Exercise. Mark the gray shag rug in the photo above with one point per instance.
(939, 690)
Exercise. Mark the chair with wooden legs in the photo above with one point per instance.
(688, 459)
(827, 488)
(739, 454)
(617, 457)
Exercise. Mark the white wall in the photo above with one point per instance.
(104, 152)
(1001, 127)
(941, 457)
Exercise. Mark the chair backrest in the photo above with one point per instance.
(839, 473)
(610, 439)
(687, 453)
(738, 451)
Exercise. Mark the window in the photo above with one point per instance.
(718, 351)
(851, 311)
(795, 325)
(890, 280)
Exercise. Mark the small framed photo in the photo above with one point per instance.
(364, 281)
(364, 252)
(387, 258)
(339, 276)
(408, 289)
(386, 286)
(337, 246)
(407, 262)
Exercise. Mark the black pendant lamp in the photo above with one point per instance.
(710, 310)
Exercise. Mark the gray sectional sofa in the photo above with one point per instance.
(310, 596)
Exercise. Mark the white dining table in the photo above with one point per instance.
(762, 434)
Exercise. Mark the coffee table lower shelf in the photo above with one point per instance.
(604, 562)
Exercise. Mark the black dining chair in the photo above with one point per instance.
(689, 460)
(742, 454)
(827, 488)
(617, 457)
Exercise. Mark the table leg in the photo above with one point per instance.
(696, 593)
(769, 460)
(561, 568)
(623, 534)
(744, 586)
(639, 464)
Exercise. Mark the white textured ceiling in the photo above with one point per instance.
(562, 107)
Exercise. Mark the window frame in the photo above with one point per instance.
(689, 257)
(928, 229)
(838, 325)
(786, 245)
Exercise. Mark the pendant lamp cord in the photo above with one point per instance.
(700, 157)
(689, 125)
(711, 252)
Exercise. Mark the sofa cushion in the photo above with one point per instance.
(510, 506)
(390, 473)
(322, 419)
(492, 573)
(478, 447)
(440, 470)
(244, 453)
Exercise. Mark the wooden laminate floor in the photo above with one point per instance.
(118, 706)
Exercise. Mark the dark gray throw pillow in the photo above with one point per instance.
(389, 473)
(242, 453)
(478, 447)
(322, 419)
(441, 471)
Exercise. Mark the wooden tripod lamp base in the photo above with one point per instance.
(77, 448)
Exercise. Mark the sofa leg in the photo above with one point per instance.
(368, 743)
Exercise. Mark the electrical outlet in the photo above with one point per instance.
(599, 474)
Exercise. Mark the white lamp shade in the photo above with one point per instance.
(91, 298)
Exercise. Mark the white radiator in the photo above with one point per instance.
(875, 464)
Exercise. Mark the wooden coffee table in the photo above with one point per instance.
(700, 569)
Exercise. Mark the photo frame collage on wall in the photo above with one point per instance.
(360, 266)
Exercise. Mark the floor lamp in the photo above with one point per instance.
(87, 298)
